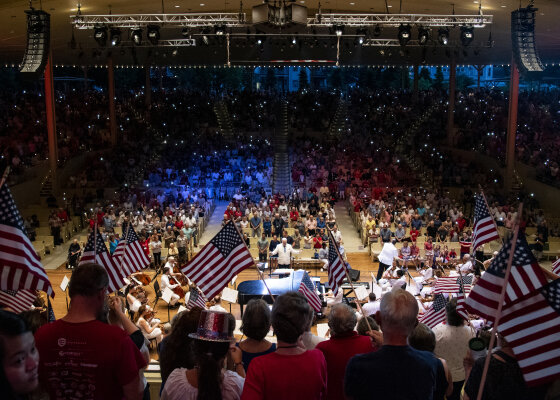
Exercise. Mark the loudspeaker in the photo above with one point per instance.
(523, 40)
(354, 274)
(38, 41)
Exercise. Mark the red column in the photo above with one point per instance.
(512, 124)
(451, 103)
(112, 114)
(51, 120)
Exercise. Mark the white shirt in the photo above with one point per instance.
(284, 253)
(388, 254)
(466, 267)
(179, 387)
(371, 307)
(165, 283)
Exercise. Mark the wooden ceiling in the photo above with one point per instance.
(13, 32)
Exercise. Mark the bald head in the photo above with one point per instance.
(398, 312)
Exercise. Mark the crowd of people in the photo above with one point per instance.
(96, 351)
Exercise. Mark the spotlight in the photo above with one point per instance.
(186, 32)
(136, 36)
(100, 35)
(174, 52)
(219, 30)
(443, 36)
(339, 29)
(259, 41)
(153, 34)
(361, 35)
(294, 41)
(404, 34)
(205, 40)
(377, 31)
(115, 37)
(423, 35)
(467, 35)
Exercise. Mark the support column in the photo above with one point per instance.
(479, 70)
(451, 103)
(112, 113)
(148, 88)
(512, 124)
(415, 84)
(51, 121)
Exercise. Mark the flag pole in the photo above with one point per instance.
(4, 176)
(500, 304)
(349, 279)
(261, 275)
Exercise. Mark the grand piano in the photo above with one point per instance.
(257, 290)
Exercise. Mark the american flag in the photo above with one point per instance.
(18, 301)
(307, 288)
(453, 284)
(129, 253)
(556, 267)
(531, 326)
(436, 313)
(461, 310)
(225, 256)
(337, 269)
(195, 300)
(21, 266)
(96, 252)
(484, 230)
(526, 276)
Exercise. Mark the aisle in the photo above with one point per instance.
(215, 223)
(350, 237)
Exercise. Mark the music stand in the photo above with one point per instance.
(158, 293)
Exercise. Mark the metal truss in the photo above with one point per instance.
(365, 20)
(415, 43)
(83, 21)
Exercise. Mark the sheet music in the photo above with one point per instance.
(64, 283)
(361, 292)
(322, 330)
(375, 288)
(166, 295)
(230, 295)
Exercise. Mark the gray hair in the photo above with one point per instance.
(399, 311)
(342, 319)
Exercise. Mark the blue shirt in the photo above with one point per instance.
(113, 246)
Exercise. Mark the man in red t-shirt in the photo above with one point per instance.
(344, 344)
(83, 358)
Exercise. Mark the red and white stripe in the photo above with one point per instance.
(21, 267)
(211, 271)
(448, 284)
(130, 257)
(21, 301)
(532, 328)
(433, 318)
(556, 267)
(311, 296)
(337, 269)
(461, 310)
(116, 280)
(484, 231)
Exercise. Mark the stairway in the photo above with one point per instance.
(282, 174)
(338, 123)
(224, 120)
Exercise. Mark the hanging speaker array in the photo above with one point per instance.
(38, 38)
(523, 40)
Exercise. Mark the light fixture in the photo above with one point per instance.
(219, 30)
(115, 36)
(100, 35)
(443, 36)
(338, 30)
(423, 35)
(404, 34)
(153, 34)
(136, 36)
(362, 33)
(376, 31)
(259, 41)
(186, 32)
(294, 40)
(467, 35)
(175, 52)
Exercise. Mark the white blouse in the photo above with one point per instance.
(177, 387)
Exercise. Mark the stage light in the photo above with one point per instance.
(423, 35)
(100, 35)
(259, 41)
(186, 32)
(404, 34)
(338, 30)
(136, 36)
(376, 31)
(153, 34)
(294, 40)
(362, 33)
(467, 35)
(443, 36)
(115, 37)
(219, 30)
